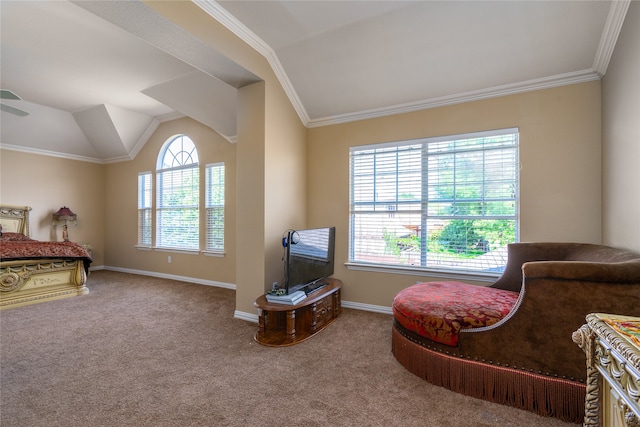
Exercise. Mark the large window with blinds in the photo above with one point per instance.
(178, 195)
(178, 219)
(444, 204)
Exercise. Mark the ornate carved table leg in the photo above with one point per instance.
(585, 341)
(631, 419)
(261, 322)
(314, 324)
(592, 403)
(291, 323)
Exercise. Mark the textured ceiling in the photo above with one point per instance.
(98, 77)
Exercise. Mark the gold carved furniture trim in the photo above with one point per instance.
(28, 281)
(15, 219)
(612, 347)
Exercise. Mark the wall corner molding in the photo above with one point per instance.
(612, 28)
(232, 24)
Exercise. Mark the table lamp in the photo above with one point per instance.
(64, 217)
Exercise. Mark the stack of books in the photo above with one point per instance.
(290, 299)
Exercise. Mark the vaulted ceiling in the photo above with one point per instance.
(98, 77)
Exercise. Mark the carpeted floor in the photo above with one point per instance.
(143, 351)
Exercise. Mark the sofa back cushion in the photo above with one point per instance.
(520, 253)
(599, 253)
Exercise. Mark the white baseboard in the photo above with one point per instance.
(367, 307)
(249, 317)
(172, 277)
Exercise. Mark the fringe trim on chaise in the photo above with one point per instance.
(543, 395)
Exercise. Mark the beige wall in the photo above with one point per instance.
(559, 175)
(285, 179)
(271, 187)
(121, 199)
(250, 269)
(46, 184)
(621, 138)
(271, 197)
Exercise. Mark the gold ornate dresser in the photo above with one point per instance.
(612, 346)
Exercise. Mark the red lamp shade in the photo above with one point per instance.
(64, 214)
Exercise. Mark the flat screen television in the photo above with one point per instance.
(309, 258)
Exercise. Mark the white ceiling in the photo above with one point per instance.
(98, 77)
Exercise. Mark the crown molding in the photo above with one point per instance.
(221, 15)
(143, 139)
(177, 115)
(49, 153)
(134, 152)
(612, 28)
(476, 95)
(609, 37)
(170, 116)
(118, 159)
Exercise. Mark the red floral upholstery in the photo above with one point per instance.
(13, 237)
(438, 310)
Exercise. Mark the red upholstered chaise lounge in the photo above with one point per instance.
(510, 342)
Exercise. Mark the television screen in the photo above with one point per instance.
(310, 257)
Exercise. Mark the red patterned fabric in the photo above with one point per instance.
(438, 310)
(12, 247)
(36, 249)
(13, 237)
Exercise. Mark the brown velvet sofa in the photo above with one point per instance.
(528, 359)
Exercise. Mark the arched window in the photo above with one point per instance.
(178, 195)
(177, 204)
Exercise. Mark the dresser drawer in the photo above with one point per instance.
(322, 312)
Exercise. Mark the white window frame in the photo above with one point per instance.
(374, 211)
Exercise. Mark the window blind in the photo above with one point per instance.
(144, 209)
(214, 207)
(177, 212)
(438, 203)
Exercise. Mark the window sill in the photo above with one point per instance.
(182, 251)
(213, 253)
(178, 250)
(440, 273)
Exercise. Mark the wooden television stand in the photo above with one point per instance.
(283, 325)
